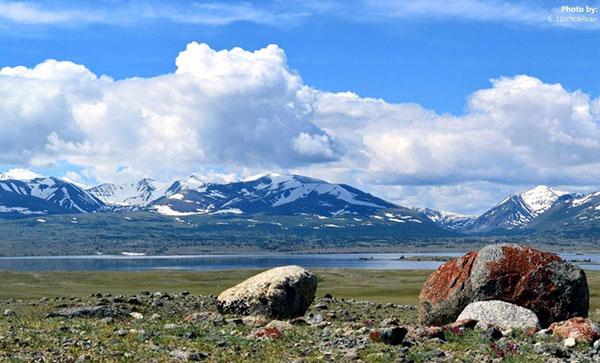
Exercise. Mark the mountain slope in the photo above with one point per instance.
(140, 193)
(44, 196)
(271, 194)
(572, 216)
(448, 220)
(517, 211)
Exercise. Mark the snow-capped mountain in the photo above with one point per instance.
(44, 196)
(571, 212)
(138, 194)
(272, 193)
(448, 220)
(516, 211)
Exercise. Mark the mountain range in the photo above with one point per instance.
(540, 209)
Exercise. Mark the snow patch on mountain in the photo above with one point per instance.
(540, 198)
(140, 193)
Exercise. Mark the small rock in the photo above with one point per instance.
(86, 312)
(136, 315)
(188, 356)
(283, 326)
(392, 336)
(581, 329)
(315, 319)
(84, 358)
(492, 333)
(170, 326)
(543, 332)
(266, 333)
(389, 322)
(597, 344)
(569, 343)
(121, 332)
(8, 313)
(321, 306)
(500, 314)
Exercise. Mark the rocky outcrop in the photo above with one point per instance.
(581, 329)
(500, 314)
(553, 289)
(87, 312)
(281, 293)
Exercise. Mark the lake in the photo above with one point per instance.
(375, 261)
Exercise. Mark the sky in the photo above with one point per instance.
(444, 104)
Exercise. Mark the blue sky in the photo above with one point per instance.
(433, 60)
(435, 54)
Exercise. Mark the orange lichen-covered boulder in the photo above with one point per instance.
(552, 288)
(581, 329)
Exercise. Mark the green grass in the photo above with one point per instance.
(397, 286)
(382, 286)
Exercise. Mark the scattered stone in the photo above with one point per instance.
(315, 319)
(84, 358)
(188, 356)
(266, 333)
(597, 344)
(282, 326)
(282, 292)
(121, 332)
(136, 315)
(87, 312)
(170, 326)
(581, 329)
(211, 316)
(321, 306)
(569, 343)
(419, 333)
(499, 314)
(392, 336)
(492, 333)
(389, 322)
(8, 313)
(254, 321)
(553, 289)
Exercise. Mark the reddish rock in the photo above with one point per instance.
(267, 333)
(391, 336)
(460, 324)
(554, 289)
(583, 330)
(375, 336)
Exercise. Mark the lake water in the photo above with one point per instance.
(228, 262)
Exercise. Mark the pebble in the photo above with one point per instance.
(597, 344)
(136, 315)
(569, 343)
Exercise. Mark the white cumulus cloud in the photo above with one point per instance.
(238, 112)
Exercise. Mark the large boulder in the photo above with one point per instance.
(281, 293)
(500, 314)
(553, 289)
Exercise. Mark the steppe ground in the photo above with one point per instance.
(180, 323)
